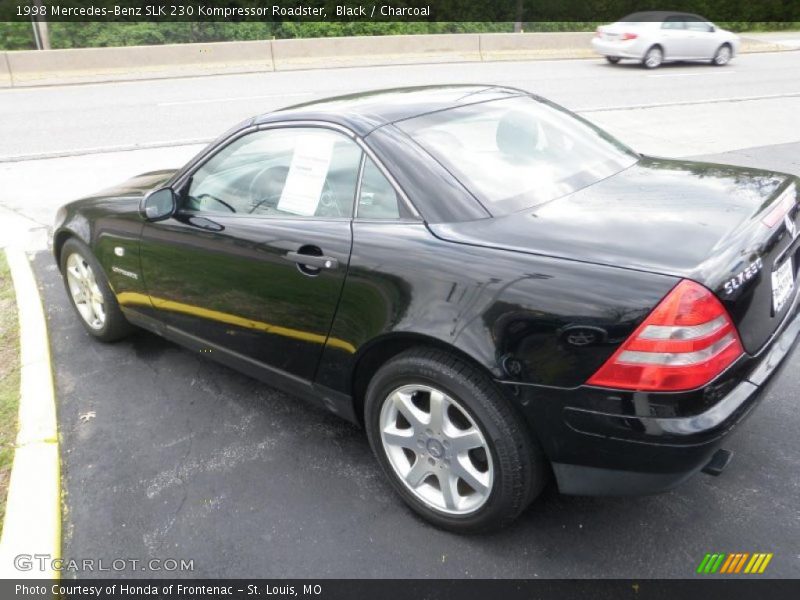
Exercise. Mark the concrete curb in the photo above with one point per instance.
(29, 68)
(33, 509)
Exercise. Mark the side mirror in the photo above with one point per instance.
(159, 205)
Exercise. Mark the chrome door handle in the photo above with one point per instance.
(309, 260)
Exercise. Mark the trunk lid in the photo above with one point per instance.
(693, 220)
(615, 31)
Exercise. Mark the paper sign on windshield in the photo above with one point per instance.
(307, 173)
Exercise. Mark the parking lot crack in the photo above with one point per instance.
(155, 540)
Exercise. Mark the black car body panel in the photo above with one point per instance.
(539, 299)
(511, 313)
(692, 220)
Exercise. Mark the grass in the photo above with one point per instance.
(9, 379)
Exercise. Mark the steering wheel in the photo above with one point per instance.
(327, 201)
(266, 188)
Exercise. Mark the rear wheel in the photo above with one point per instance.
(653, 58)
(450, 442)
(90, 294)
(612, 59)
(722, 56)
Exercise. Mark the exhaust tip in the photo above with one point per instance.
(718, 462)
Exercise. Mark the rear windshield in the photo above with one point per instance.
(517, 153)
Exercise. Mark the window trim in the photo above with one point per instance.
(357, 198)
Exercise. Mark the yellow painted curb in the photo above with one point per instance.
(32, 523)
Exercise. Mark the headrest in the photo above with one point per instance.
(517, 135)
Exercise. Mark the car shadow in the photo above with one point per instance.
(631, 64)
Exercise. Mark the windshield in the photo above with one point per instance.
(518, 153)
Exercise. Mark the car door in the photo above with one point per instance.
(674, 37)
(254, 259)
(702, 38)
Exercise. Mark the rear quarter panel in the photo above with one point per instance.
(523, 317)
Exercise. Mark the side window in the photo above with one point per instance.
(307, 172)
(696, 24)
(673, 23)
(378, 198)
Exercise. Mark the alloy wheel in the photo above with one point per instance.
(85, 292)
(653, 58)
(722, 56)
(436, 449)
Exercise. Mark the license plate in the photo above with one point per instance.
(782, 285)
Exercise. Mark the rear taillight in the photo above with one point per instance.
(683, 344)
(628, 36)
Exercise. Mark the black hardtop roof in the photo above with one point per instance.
(365, 112)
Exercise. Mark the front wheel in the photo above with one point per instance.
(722, 56)
(450, 442)
(612, 59)
(90, 293)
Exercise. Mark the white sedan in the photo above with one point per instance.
(657, 37)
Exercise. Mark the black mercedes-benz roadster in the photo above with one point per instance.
(496, 289)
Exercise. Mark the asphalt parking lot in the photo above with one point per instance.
(166, 454)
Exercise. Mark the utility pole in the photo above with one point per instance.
(41, 33)
(518, 22)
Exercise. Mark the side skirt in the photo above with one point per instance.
(338, 403)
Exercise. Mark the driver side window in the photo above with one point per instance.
(296, 171)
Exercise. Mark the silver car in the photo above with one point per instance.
(657, 37)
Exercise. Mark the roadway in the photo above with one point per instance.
(80, 118)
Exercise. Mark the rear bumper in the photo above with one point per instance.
(603, 453)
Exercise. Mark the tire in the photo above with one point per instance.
(653, 58)
(84, 278)
(722, 56)
(612, 59)
(490, 484)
